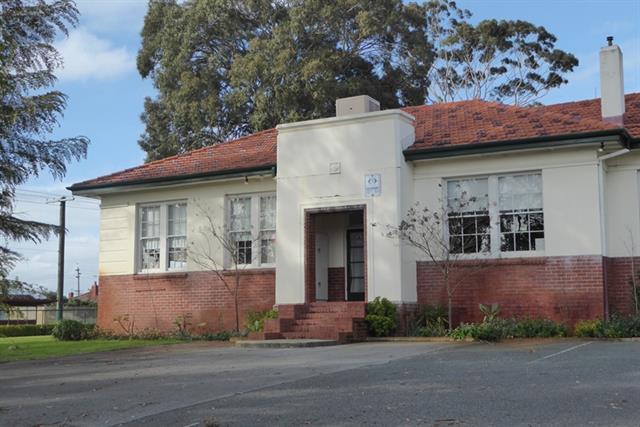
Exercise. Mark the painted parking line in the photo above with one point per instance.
(575, 347)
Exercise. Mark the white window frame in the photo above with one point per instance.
(256, 245)
(164, 228)
(494, 216)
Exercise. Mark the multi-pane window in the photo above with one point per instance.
(150, 238)
(162, 237)
(267, 229)
(468, 215)
(177, 236)
(521, 217)
(252, 227)
(240, 228)
(496, 214)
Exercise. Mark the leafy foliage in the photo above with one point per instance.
(28, 114)
(498, 329)
(431, 321)
(225, 68)
(255, 319)
(381, 317)
(72, 330)
(25, 330)
(617, 327)
(490, 312)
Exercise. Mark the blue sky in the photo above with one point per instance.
(106, 98)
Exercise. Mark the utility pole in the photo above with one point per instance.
(61, 234)
(78, 278)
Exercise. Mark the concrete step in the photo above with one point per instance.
(286, 343)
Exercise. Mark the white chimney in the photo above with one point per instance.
(356, 105)
(611, 83)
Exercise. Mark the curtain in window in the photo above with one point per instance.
(267, 229)
(521, 215)
(177, 236)
(150, 238)
(468, 215)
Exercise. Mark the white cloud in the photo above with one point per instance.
(113, 16)
(87, 57)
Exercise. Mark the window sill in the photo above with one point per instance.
(249, 270)
(160, 275)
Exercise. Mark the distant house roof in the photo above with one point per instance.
(455, 124)
(23, 300)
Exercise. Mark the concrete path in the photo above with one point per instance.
(562, 383)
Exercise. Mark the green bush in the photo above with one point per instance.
(499, 329)
(215, 336)
(381, 317)
(72, 330)
(617, 327)
(538, 328)
(431, 321)
(255, 319)
(25, 330)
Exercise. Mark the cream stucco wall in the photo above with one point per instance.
(570, 191)
(361, 144)
(118, 218)
(622, 204)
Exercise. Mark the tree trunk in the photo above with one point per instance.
(450, 307)
(236, 294)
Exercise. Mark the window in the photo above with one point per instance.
(163, 237)
(252, 226)
(468, 211)
(521, 217)
(512, 202)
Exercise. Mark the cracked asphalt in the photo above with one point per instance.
(520, 383)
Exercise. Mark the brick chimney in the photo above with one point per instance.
(611, 83)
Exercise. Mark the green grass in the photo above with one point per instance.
(39, 347)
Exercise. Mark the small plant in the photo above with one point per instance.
(431, 321)
(491, 312)
(182, 324)
(72, 330)
(499, 329)
(126, 324)
(381, 317)
(255, 319)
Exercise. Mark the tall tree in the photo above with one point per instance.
(29, 111)
(224, 68)
(514, 62)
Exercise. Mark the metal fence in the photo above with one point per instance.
(47, 315)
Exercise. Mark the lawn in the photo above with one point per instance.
(39, 347)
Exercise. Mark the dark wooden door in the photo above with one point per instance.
(355, 265)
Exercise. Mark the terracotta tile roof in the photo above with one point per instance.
(252, 151)
(477, 122)
(440, 125)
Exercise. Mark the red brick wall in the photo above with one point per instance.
(154, 301)
(336, 284)
(565, 289)
(619, 291)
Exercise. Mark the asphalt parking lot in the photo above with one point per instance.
(563, 383)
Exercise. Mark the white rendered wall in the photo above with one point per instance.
(361, 144)
(570, 192)
(118, 218)
(623, 205)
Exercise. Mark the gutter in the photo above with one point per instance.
(619, 135)
(80, 189)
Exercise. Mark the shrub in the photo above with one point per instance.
(25, 330)
(538, 328)
(215, 336)
(255, 319)
(617, 327)
(431, 321)
(381, 317)
(499, 329)
(490, 312)
(72, 330)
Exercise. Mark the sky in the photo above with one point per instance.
(106, 97)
